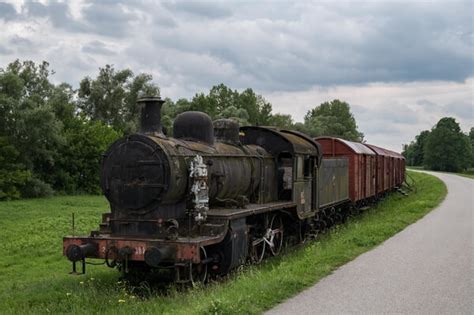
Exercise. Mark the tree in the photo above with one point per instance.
(447, 148)
(471, 138)
(414, 152)
(28, 120)
(13, 176)
(247, 107)
(46, 142)
(79, 163)
(332, 119)
(238, 114)
(112, 97)
(281, 121)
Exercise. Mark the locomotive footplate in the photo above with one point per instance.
(152, 251)
(250, 209)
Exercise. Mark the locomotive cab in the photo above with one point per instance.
(298, 158)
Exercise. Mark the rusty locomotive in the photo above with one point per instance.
(215, 195)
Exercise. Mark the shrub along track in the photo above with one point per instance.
(34, 276)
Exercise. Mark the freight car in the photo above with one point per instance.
(390, 169)
(362, 166)
(212, 197)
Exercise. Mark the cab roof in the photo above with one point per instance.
(277, 140)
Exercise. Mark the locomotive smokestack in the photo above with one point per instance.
(150, 120)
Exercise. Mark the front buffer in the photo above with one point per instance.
(183, 254)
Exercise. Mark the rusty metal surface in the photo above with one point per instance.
(227, 131)
(183, 249)
(333, 182)
(361, 165)
(356, 147)
(276, 141)
(192, 125)
(393, 175)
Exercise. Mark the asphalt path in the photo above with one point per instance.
(427, 268)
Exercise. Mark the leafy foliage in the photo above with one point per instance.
(414, 152)
(46, 144)
(444, 148)
(447, 148)
(332, 119)
(28, 120)
(111, 97)
(79, 164)
(246, 107)
(471, 139)
(12, 174)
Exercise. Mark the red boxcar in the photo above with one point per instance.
(399, 167)
(384, 179)
(361, 165)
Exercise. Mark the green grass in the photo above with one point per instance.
(34, 276)
(469, 173)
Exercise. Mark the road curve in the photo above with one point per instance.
(426, 268)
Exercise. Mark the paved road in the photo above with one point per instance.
(427, 268)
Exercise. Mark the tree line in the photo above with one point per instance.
(52, 136)
(443, 148)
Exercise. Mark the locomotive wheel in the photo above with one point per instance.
(274, 235)
(306, 231)
(198, 272)
(257, 250)
(303, 232)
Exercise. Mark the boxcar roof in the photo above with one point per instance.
(384, 152)
(356, 147)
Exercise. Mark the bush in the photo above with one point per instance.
(12, 174)
(78, 168)
(36, 188)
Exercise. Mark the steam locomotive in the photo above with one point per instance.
(215, 195)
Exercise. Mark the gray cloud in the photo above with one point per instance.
(107, 18)
(7, 11)
(21, 44)
(97, 47)
(5, 51)
(58, 13)
(280, 46)
(324, 45)
(211, 10)
(460, 109)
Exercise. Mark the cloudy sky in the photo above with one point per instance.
(401, 65)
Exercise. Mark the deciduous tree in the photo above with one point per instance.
(13, 175)
(111, 97)
(447, 148)
(333, 119)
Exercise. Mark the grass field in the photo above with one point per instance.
(34, 276)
